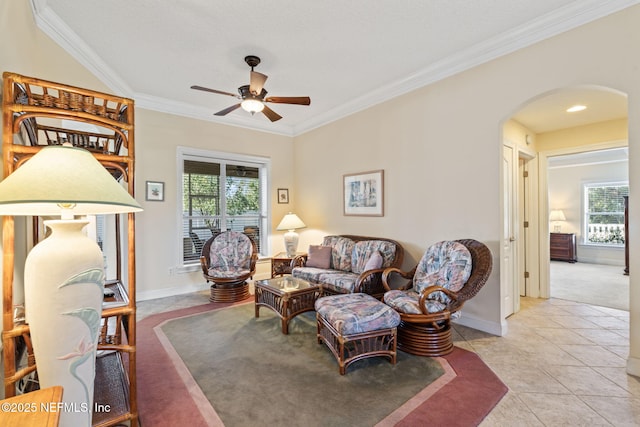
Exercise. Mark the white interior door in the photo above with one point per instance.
(508, 268)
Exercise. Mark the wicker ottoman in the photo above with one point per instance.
(357, 326)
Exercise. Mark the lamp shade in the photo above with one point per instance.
(556, 215)
(61, 176)
(64, 273)
(290, 222)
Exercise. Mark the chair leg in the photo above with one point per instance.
(427, 339)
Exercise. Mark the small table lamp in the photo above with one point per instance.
(556, 216)
(64, 273)
(290, 222)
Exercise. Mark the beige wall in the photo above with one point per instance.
(440, 148)
(26, 50)
(157, 227)
(597, 133)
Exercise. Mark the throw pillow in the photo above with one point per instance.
(375, 261)
(319, 256)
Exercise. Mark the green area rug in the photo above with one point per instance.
(253, 375)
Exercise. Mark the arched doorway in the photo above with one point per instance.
(538, 130)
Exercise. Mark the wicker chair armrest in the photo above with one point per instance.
(298, 261)
(369, 279)
(204, 264)
(424, 296)
(386, 276)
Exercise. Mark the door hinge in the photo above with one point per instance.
(526, 224)
(525, 174)
(526, 274)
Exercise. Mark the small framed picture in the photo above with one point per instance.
(283, 195)
(363, 193)
(155, 191)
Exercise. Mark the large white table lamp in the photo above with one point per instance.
(64, 273)
(290, 222)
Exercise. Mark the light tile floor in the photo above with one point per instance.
(564, 362)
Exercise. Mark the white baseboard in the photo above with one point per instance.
(601, 261)
(633, 366)
(169, 292)
(494, 328)
(187, 289)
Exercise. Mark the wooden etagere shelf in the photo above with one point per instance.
(37, 113)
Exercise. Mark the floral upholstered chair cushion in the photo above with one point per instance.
(446, 264)
(230, 255)
(356, 313)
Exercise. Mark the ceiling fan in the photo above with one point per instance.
(253, 95)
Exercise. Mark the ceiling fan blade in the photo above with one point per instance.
(227, 110)
(257, 82)
(271, 115)
(206, 89)
(300, 100)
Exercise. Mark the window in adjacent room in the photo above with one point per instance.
(221, 194)
(604, 213)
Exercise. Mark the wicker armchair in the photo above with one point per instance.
(228, 259)
(446, 277)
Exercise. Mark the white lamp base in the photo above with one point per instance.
(291, 243)
(64, 281)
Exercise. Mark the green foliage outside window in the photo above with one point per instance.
(605, 213)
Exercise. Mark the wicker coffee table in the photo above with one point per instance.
(287, 296)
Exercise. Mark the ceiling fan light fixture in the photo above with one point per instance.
(252, 105)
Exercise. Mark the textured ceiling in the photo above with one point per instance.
(345, 55)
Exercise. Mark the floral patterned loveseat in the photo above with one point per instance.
(349, 264)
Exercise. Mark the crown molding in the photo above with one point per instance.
(571, 16)
(561, 20)
(54, 27)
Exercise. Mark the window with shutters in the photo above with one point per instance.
(604, 213)
(221, 193)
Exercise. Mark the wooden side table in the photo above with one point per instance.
(281, 263)
(37, 408)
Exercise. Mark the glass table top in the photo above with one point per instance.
(287, 283)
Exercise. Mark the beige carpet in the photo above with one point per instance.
(597, 284)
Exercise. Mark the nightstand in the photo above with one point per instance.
(281, 263)
(562, 247)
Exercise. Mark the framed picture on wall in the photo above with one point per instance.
(155, 191)
(283, 195)
(363, 193)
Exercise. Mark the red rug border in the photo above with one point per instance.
(467, 379)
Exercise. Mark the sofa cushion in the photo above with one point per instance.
(310, 274)
(319, 256)
(364, 250)
(446, 264)
(340, 281)
(341, 251)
